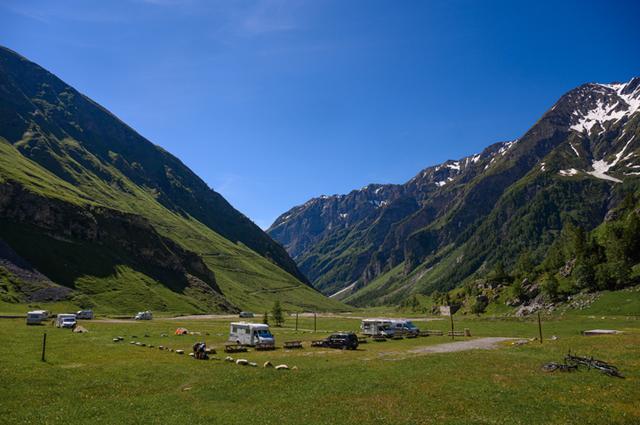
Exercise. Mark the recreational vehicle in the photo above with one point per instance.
(66, 320)
(250, 333)
(376, 327)
(143, 315)
(36, 317)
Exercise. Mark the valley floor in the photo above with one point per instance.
(89, 378)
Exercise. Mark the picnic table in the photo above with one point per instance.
(431, 333)
(234, 348)
(292, 344)
(318, 343)
(264, 346)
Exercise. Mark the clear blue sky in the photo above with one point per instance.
(274, 102)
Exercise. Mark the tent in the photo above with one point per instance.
(181, 331)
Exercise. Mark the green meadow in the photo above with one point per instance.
(87, 378)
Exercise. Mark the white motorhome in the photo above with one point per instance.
(66, 320)
(143, 315)
(404, 326)
(250, 333)
(375, 326)
(85, 314)
(36, 317)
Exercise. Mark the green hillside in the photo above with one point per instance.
(92, 206)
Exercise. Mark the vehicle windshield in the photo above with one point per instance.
(410, 325)
(264, 333)
(68, 319)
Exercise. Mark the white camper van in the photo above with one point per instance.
(250, 333)
(36, 317)
(66, 320)
(375, 327)
(143, 315)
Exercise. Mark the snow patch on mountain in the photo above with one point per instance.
(619, 104)
(569, 172)
(601, 167)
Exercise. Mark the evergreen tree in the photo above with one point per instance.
(550, 286)
(265, 318)
(276, 312)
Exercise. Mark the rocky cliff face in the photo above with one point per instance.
(584, 147)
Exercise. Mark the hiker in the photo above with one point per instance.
(200, 351)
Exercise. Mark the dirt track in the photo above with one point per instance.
(449, 347)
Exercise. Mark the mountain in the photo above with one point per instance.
(457, 220)
(93, 213)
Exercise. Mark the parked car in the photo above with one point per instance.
(66, 320)
(84, 314)
(143, 315)
(342, 340)
(246, 314)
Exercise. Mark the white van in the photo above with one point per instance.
(66, 320)
(250, 333)
(85, 314)
(36, 317)
(143, 315)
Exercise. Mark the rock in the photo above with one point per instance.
(294, 368)
(143, 345)
(267, 364)
(553, 338)
(132, 342)
(138, 344)
(80, 330)
(121, 338)
(253, 364)
(601, 332)
(282, 367)
(160, 347)
(191, 355)
(242, 362)
(151, 346)
(116, 340)
(179, 351)
(228, 359)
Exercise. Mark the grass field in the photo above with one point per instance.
(87, 378)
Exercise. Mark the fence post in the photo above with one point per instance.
(315, 321)
(540, 327)
(44, 345)
(451, 317)
(296, 321)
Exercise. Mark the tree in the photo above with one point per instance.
(550, 286)
(265, 318)
(276, 312)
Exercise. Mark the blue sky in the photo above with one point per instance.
(274, 102)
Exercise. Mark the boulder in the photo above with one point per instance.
(179, 351)
(282, 367)
(253, 364)
(228, 359)
(267, 364)
(242, 362)
(80, 330)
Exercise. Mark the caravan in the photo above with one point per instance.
(376, 327)
(250, 334)
(36, 317)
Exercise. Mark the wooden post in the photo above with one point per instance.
(44, 345)
(315, 322)
(540, 327)
(296, 321)
(451, 317)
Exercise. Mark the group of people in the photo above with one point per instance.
(200, 351)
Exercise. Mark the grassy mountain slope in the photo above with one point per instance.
(80, 164)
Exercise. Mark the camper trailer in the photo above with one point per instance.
(36, 317)
(376, 327)
(402, 326)
(250, 333)
(66, 320)
(143, 315)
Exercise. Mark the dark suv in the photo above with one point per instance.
(342, 340)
